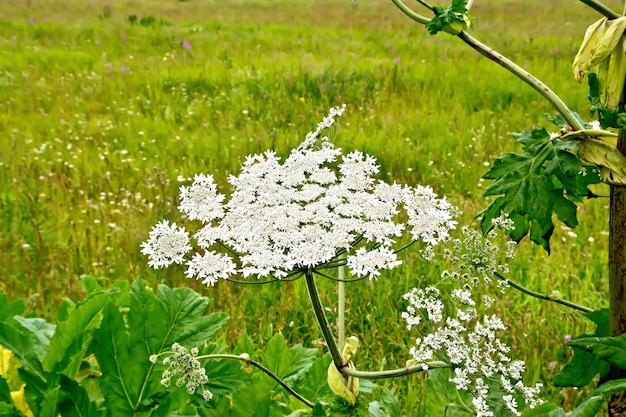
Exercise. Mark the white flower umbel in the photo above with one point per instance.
(166, 244)
(317, 209)
(470, 344)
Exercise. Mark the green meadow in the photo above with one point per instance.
(107, 107)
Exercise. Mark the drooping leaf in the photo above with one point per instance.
(548, 178)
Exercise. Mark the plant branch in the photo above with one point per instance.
(542, 296)
(601, 8)
(394, 373)
(247, 360)
(525, 76)
(410, 13)
(318, 310)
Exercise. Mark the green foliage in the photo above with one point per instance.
(445, 16)
(546, 179)
(606, 117)
(122, 327)
(584, 365)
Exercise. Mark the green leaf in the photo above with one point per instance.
(447, 16)
(594, 401)
(532, 186)
(121, 373)
(288, 363)
(442, 395)
(70, 342)
(314, 382)
(607, 118)
(609, 349)
(5, 391)
(76, 402)
(40, 333)
(9, 410)
(584, 366)
(49, 403)
(130, 382)
(546, 409)
(9, 310)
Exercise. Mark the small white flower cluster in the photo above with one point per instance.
(304, 212)
(184, 366)
(470, 344)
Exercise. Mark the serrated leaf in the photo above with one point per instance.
(287, 362)
(129, 379)
(534, 185)
(70, 342)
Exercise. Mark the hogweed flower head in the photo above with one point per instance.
(304, 212)
(184, 369)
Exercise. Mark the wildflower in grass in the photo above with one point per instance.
(186, 45)
(184, 369)
(317, 209)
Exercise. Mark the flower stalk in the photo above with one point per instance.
(541, 296)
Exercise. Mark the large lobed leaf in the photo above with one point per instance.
(548, 178)
(130, 382)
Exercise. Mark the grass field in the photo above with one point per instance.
(101, 121)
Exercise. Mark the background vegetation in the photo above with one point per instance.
(107, 107)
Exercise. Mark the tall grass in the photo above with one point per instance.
(101, 121)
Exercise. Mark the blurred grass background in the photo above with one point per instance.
(102, 119)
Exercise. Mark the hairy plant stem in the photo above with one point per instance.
(269, 373)
(601, 8)
(542, 296)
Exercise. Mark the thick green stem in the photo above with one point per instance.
(601, 8)
(318, 310)
(269, 373)
(525, 76)
(542, 296)
(410, 13)
(394, 373)
(341, 305)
